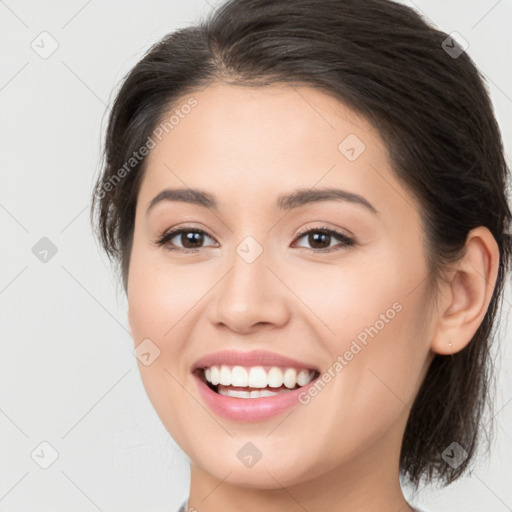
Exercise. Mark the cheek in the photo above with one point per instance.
(375, 315)
(342, 298)
(158, 298)
(159, 294)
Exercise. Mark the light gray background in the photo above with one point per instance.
(67, 372)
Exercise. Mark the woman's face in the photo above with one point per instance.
(353, 310)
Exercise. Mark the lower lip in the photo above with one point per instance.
(249, 409)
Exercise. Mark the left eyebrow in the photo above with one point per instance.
(300, 197)
(305, 196)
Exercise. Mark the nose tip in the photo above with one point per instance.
(248, 298)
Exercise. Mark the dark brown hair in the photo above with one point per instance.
(432, 110)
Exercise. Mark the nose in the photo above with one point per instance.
(250, 297)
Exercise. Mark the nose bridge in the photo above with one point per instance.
(249, 294)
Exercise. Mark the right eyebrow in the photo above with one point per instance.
(186, 195)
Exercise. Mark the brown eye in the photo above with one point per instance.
(320, 239)
(191, 239)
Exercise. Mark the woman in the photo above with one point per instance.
(307, 203)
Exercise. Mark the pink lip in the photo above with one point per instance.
(248, 409)
(253, 358)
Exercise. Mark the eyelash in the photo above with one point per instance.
(345, 241)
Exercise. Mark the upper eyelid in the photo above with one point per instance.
(178, 230)
(173, 232)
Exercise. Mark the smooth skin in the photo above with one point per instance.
(247, 146)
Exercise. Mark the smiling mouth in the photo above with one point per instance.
(254, 381)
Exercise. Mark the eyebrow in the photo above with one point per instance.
(300, 197)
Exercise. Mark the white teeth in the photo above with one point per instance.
(214, 375)
(239, 377)
(224, 376)
(275, 377)
(257, 377)
(290, 378)
(303, 377)
(235, 393)
(249, 394)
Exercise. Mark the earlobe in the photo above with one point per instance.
(467, 294)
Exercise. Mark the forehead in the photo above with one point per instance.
(250, 143)
(226, 114)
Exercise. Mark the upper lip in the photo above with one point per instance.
(252, 358)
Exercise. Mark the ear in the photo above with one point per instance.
(465, 295)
